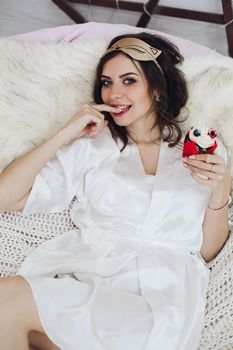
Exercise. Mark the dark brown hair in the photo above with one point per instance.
(170, 85)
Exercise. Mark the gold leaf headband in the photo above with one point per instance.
(138, 49)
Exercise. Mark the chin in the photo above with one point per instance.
(121, 122)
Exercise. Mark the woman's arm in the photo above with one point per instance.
(217, 177)
(216, 231)
(17, 179)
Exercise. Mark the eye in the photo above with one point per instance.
(129, 81)
(197, 132)
(212, 133)
(105, 82)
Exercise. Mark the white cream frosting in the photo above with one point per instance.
(204, 140)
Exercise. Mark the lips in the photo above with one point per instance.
(121, 109)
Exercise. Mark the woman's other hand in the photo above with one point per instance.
(210, 170)
(88, 122)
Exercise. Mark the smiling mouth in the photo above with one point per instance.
(121, 110)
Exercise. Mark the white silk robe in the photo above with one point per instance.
(132, 277)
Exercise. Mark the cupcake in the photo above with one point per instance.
(199, 140)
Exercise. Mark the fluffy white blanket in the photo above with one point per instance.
(41, 86)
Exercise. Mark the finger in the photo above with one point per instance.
(220, 169)
(202, 161)
(92, 111)
(93, 131)
(208, 174)
(94, 116)
(105, 108)
(208, 158)
(213, 167)
(198, 164)
(97, 113)
(93, 125)
(104, 122)
(205, 182)
(94, 128)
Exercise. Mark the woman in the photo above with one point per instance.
(133, 276)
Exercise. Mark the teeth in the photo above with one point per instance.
(122, 108)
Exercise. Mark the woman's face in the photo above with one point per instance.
(124, 86)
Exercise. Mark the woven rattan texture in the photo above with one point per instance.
(20, 234)
(218, 331)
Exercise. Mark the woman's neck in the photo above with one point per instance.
(144, 131)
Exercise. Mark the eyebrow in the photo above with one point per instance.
(121, 76)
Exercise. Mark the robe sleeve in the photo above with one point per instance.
(60, 179)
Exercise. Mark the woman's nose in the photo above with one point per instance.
(116, 91)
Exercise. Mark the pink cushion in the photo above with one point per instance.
(94, 30)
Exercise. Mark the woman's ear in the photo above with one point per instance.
(155, 96)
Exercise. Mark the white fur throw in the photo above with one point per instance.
(42, 86)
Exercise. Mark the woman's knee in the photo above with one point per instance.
(17, 304)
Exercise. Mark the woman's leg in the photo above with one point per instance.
(19, 315)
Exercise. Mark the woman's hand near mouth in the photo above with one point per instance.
(88, 122)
